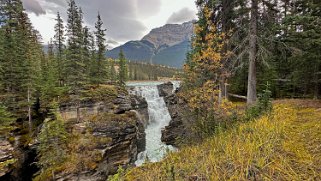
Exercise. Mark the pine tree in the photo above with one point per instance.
(52, 144)
(251, 89)
(50, 84)
(100, 72)
(87, 54)
(123, 71)
(59, 43)
(112, 72)
(74, 62)
(21, 60)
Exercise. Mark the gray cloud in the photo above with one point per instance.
(33, 6)
(148, 7)
(181, 16)
(112, 42)
(120, 17)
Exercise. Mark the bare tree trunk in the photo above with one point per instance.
(316, 82)
(78, 112)
(223, 89)
(29, 112)
(251, 86)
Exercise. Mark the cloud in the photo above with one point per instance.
(147, 8)
(112, 42)
(181, 16)
(121, 17)
(33, 6)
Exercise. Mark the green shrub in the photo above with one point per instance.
(263, 105)
(118, 176)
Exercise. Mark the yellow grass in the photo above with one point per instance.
(283, 146)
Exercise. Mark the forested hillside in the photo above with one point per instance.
(243, 45)
(75, 58)
(36, 87)
(144, 71)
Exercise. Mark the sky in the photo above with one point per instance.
(124, 20)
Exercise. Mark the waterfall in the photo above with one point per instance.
(159, 117)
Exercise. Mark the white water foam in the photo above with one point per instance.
(159, 117)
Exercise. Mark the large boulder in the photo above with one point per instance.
(165, 89)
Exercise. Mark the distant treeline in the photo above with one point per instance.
(147, 71)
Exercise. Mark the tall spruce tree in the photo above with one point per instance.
(21, 60)
(59, 40)
(74, 62)
(251, 86)
(101, 69)
(123, 70)
(87, 53)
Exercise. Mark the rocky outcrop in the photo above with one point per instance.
(117, 130)
(16, 160)
(6, 157)
(177, 107)
(123, 138)
(127, 140)
(118, 105)
(140, 105)
(170, 34)
(165, 89)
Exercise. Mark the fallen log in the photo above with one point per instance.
(237, 96)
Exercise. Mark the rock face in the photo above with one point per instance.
(16, 159)
(165, 89)
(170, 34)
(120, 104)
(176, 130)
(6, 157)
(140, 105)
(120, 122)
(128, 139)
(165, 45)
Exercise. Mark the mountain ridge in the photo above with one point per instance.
(166, 45)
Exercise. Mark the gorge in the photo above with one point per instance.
(113, 128)
(159, 117)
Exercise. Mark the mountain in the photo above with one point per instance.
(166, 45)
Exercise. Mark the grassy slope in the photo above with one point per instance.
(283, 146)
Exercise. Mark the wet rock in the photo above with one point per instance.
(122, 103)
(140, 105)
(165, 89)
(178, 126)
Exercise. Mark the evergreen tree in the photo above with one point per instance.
(87, 53)
(100, 71)
(74, 62)
(52, 144)
(251, 89)
(21, 60)
(123, 71)
(50, 84)
(112, 73)
(59, 43)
